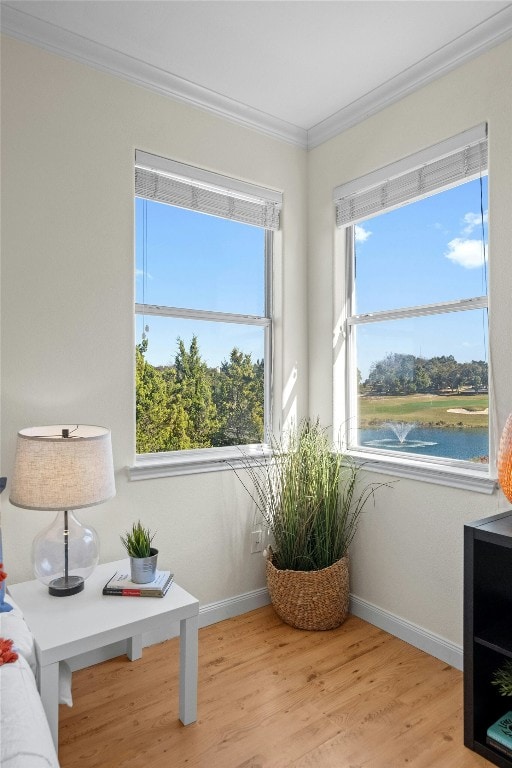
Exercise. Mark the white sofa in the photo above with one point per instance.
(25, 738)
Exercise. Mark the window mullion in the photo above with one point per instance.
(351, 387)
(269, 357)
(461, 305)
(201, 314)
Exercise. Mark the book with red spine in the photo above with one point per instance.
(120, 584)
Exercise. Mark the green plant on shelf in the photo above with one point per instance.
(503, 679)
(137, 542)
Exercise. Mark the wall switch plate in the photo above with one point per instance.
(256, 541)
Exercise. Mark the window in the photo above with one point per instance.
(202, 312)
(417, 387)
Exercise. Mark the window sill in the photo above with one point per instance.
(475, 479)
(153, 465)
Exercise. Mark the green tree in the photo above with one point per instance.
(152, 411)
(394, 375)
(401, 374)
(187, 405)
(474, 374)
(239, 399)
(191, 394)
(422, 379)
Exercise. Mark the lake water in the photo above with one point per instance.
(462, 444)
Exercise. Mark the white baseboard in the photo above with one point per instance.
(208, 614)
(233, 606)
(413, 634)
(212, 613)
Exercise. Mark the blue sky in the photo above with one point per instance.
(423, 253)
(197, 261)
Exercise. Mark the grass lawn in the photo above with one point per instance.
(428, 410)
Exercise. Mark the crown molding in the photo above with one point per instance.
(52, 38)
(27, 28)
(473, 43)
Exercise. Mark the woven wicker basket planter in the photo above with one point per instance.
(310, 599)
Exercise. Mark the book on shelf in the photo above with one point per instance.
(499, 735)
(121, 584)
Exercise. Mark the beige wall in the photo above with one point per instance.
(407, 557)
(68, 140)
(68, 136)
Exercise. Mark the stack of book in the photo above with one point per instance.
(499, 735)
(121, 584)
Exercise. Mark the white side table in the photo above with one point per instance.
(64, 627)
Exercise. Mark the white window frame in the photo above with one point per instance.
(443, 471)
(265, 215)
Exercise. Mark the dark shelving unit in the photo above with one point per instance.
(487, 627)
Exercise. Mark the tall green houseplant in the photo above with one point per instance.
(310, 499)
(308, 496)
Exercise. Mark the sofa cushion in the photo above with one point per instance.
(26, 739)
(14, 627)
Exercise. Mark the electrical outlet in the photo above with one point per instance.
(256, 541)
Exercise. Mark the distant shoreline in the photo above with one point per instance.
(375, 424)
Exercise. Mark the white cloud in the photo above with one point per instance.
(361, 234)
(140, 273)
(466, 253)
(472, 220)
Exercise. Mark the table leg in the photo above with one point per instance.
(49, 690)
(188, 669)
(134, 647)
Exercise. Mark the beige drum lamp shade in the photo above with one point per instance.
(57, 473)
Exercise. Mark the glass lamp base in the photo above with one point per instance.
(62, 587)
(65, 554)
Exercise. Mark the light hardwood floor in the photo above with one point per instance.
(271, 696)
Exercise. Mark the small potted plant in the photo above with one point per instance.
(143, 556)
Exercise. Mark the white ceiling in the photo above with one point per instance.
(299, 69)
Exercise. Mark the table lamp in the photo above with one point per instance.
(505, 459)
(63, 468)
